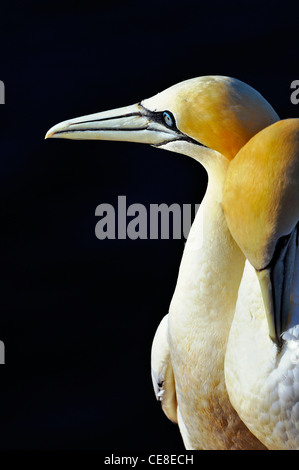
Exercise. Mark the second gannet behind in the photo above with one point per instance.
(209, 119)
(261, 202)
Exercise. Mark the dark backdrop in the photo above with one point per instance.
(77, 315)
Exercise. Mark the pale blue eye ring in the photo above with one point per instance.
(168, 119)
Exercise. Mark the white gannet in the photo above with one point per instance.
(261, 202)
(209, 119)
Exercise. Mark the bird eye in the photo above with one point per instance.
(168, 119)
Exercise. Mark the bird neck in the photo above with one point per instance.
(214, 162)
(216, 168)
(211, 262)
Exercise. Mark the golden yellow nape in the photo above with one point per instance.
(222, 113)
(209, 119)
(261, 191)
(261, 204)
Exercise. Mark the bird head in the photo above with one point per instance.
(214, 112)
(261, 204)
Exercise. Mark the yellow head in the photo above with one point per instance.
(261, 204)
(261, 192)
(221, 113)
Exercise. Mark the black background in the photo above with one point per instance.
(77, 315)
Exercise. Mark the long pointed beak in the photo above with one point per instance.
(131, 123)
(276, 282)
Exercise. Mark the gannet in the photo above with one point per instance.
(209, 119)
(261, 202)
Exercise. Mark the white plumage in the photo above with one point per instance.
(208, 119)
(262, 358)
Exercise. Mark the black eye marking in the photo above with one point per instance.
(168, 119)
(165, 118)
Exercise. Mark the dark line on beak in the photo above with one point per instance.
(177, 139)
(107, 118)
(152, 115)
(184, 138)
(115, 129)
